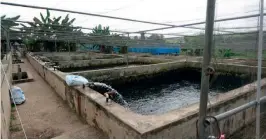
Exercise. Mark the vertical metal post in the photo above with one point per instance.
(7, 44)
(142, 36)
(55, 45)
(127, 47)
(76, 43)
(206, 63)
(8, 41)
(68, 46)
(259, 71)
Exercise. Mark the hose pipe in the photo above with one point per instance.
(107, 97)
(212, 123)
(209, 71)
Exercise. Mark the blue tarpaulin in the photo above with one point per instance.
(18, 95)
(155, 50)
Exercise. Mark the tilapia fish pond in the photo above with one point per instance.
(163, 95)
(174, 89)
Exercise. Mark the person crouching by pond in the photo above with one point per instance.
(109, 95)
(108, 92)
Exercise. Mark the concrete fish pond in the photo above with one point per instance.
(175, 89)
(162, 95)
(72, 68)
(77, 56)
(170, 90)
(90, 62)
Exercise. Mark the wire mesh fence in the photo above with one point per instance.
(235, 38)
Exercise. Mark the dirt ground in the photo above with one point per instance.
(44, 115)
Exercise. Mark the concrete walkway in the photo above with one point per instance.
(45, 115)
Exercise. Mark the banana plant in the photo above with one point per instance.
(6, 24)
(9, 22)
(104, 31)
(50, 25)
(101, 31)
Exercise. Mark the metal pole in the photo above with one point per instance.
(7, 43)
(206, 63)
(142, 36)
(9, 49)
(83, 13)
(259, 71)
(68, 47)
(111, 17)
(202, 22)
(55, 45)
(127, 48)
(239, 109)
(76, 43)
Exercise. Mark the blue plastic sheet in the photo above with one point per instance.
(155, 50)
(152, 49)
(18, 95)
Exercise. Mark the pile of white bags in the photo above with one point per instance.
(18, 95)
(75, 80)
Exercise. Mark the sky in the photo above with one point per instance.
(175, 12)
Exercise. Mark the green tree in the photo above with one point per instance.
(105, 36)
(136, 38)
(194, 44)
(194, 41)
(52, 29)
(7, 23)
(102, 32)
(156, 37)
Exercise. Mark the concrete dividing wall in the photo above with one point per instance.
(95, 62)
(91, 107)
(5, 96)
(224, 67)
(127, 74)
(78, 56)
(54, 78)
(119, 122)
(85, 104)
(114, 61)
(130, 72)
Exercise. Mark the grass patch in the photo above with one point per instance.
(12, 117)
(14, 129)
(227, 53)
(13, 108)
(249, 55)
